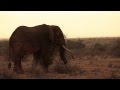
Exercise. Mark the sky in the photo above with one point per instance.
(74, 24)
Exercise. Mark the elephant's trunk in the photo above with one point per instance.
(62, 54)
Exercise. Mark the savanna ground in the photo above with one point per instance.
(95, 58)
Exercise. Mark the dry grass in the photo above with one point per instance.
(84, 66)
(108, 68)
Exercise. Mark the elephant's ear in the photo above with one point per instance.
(51, 34)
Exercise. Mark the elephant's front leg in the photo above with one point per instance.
(34, 63)
(47, 60)
(36, 58)
(17, 66)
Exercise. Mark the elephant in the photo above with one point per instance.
(40, 40)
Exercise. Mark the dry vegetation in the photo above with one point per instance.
(95, 58)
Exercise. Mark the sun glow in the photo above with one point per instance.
(74, 24)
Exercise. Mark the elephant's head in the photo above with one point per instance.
(57, 37)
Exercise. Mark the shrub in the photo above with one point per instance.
(4, 47)
(115, 50)
(75, 44)
(98, 49)
(65, 69)
(80, 44)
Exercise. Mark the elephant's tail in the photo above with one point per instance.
(10, 58)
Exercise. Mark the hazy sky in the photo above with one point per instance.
(74, 24)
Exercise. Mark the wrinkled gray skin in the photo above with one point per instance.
(40, 41)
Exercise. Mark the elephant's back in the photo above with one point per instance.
(18, 33)
(29, 34)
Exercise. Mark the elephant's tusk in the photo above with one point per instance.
(67, 49)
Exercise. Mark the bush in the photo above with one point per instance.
(65, 69)
(3, 47)
(115, 50)
(71, 44)
(75, 44)
(98, 49)
(80, 44)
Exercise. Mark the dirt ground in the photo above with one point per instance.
(79, 68)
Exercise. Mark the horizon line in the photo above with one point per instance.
(79, 37)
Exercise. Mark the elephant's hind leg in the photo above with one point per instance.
(17, 66)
